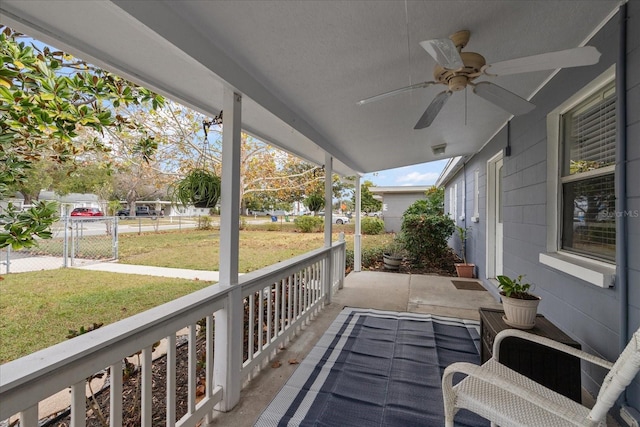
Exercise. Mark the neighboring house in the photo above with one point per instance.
(547, 197)
(396, 200)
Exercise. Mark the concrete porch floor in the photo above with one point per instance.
(368, 289)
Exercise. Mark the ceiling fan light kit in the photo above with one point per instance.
(457, 70)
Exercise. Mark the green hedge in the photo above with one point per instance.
(309, 224)
(370, 225)
(426, 236)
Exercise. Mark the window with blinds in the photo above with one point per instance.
(588, 199)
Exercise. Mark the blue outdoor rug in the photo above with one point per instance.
(377, 368)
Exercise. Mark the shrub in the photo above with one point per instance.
(274, 226)
(204, 223)
(372, 225)
(309, 224)
(371, 257)
(425, 236)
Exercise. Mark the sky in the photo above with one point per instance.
(421, 174)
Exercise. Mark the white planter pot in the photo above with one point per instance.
(391, 262)
(520, 313)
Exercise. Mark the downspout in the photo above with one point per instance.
(628, 413)
(621, 180)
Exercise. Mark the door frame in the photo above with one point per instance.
(492, 195)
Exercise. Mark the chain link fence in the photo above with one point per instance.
(76, 241)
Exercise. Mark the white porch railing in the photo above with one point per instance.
(276, 300)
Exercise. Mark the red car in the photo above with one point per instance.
(86, 212)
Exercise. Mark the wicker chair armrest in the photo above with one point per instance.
(485, 375)
(549, 343)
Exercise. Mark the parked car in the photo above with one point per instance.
(340, 219)
(375, 214)
(86, 212)
(140, 211)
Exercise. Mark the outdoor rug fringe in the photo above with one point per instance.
(377, 368)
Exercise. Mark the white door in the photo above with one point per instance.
(494, 217)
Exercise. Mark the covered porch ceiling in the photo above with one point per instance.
(301, 66)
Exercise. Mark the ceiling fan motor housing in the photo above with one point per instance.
(458, 79)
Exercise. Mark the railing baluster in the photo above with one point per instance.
(276, 317)
(171, 380)
(270, 307)
(250, 337)
(146, 395)
(29, 417)
(79, 404)
(290, 283)
(260, 325)
(115, 395)
(296, 286)
(193, 365)
(209, 382)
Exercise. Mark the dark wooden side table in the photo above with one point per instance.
(553, 369)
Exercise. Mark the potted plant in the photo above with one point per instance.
(200, 188)
(393, 254)
(520, 306)
(464, 269)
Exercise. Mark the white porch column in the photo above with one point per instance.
(357, 249)
(328, 221)
(228, 322)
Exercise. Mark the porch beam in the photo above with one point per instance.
(228, 321)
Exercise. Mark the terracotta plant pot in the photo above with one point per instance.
(520, 313)
(466, 270)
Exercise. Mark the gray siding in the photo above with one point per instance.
(396, 204)
(585, 312)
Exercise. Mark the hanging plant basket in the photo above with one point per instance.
(199, 188)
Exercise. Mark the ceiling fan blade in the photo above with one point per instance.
(432, 110)
(395, 92)
(579, 56)
(508, 101)
(445, 53)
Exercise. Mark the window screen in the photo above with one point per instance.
(588, 191)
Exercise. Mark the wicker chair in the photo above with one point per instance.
(507, 398)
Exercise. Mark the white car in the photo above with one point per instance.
(340, 219)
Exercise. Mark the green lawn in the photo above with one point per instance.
(37, 309)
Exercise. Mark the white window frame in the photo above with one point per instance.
(453, 202)
(599, 273)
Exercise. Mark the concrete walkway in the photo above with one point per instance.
(179, 273)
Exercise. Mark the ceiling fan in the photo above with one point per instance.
(457, 70)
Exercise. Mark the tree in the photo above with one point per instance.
(46, 98)
(367, 202)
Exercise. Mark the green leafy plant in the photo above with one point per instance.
(395, 248)
(515, 288)
(200, 188)
(20, 227)
(314, 202)
(463, 236)
(309, 224)
(425, 236)
(372, 225)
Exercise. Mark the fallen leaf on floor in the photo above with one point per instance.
(276, 364)
(293, 361)
(200, 390)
